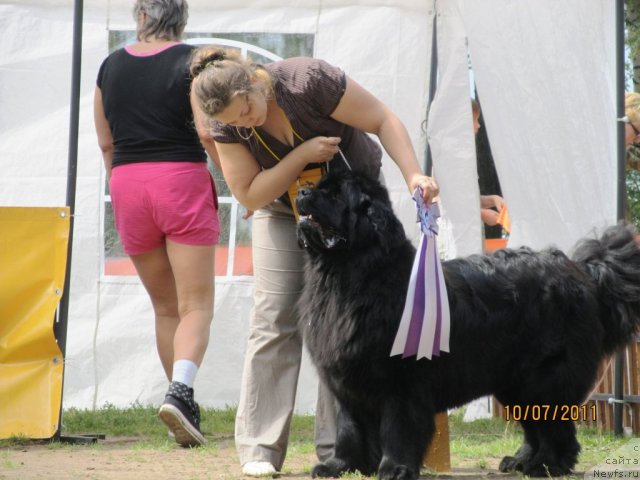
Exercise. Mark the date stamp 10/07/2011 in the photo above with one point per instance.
(542, 413)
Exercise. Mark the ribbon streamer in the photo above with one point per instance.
(425, 324)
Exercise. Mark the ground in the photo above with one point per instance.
(125, 458)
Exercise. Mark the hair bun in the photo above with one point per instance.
(206, 56)
(218, 55)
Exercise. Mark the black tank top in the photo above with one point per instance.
(146, 102)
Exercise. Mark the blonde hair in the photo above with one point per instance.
(219, 75)
(632, 108)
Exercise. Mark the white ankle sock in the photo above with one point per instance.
(184, 371)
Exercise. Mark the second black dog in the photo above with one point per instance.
(529, 327)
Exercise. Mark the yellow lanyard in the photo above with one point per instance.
(298, 136)
(264, 144)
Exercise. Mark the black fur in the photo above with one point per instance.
(529, 327)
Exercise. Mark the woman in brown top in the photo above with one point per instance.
(265, 125)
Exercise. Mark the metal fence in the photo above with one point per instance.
(603, 398)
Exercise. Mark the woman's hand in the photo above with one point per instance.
(429, 186)
(489, 217)
(319, 149)
(492, 201)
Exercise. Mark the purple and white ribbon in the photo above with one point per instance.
(425, 324)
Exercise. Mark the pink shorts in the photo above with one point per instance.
(153, 201)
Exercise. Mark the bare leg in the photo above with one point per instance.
(193, 271)
(155, 273)
(180, 282)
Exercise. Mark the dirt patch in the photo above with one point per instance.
(127, 458)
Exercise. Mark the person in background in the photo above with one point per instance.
(270, 125)
(632, 125)
(631, 141)
(163, 196)
(490, 205)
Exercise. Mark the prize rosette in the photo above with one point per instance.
(425, 324)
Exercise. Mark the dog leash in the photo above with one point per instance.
(343, 158)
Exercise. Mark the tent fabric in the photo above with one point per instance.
(111, 356)
(544, 75)
(451, 140)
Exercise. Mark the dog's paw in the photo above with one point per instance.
(397, 472)
(322, 470)
(332, 468)
(510, 464)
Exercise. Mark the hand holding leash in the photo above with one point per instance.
(320, 149)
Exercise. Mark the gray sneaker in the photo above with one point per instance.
(182, 415)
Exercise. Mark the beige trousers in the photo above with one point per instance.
(274, 350)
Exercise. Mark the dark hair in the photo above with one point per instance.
(219, 75)
(165, 19)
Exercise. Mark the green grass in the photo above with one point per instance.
(478, 445)
(142, 421)
(475, 444)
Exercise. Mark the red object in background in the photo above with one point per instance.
(493, 244)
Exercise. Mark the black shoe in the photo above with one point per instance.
(182, 415)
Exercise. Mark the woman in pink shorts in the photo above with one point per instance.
(163, 196)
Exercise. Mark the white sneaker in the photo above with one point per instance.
(258, 469)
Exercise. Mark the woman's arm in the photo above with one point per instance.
(249, 183)
(255, 187)
(105, 140)
(360, 109)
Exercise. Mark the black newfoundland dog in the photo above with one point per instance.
(529, 327)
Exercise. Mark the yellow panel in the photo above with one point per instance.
(33, 254)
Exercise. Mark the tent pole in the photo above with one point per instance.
(60, 327)
(618, 401)
(433, 79)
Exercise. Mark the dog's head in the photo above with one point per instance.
(346, 211)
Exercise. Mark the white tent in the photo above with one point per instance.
(544, 71)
